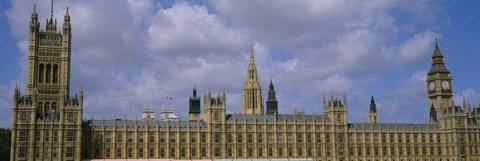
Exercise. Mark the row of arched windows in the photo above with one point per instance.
(47, 107)
(48, 73)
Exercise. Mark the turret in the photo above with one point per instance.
(16, 95)
(194, 106)
(81, 97)
(51, 23)
(66, 23)
(336, 110)
(373, 115)
(34, 24)
(214, 108)
(272, 103)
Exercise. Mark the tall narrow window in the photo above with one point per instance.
(55, 73)
(47, 107)
(54, 107)
(48, 74)
(41, 73)
(40, 107)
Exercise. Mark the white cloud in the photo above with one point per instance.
(470, 96)
(132, 53)
(408, 101)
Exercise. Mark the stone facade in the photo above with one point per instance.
(48, 125)
(47, 121)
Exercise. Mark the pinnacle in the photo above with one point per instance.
(437, 51)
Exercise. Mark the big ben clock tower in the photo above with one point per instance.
(439, 83)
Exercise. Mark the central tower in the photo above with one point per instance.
(252, 97)
(439, 83)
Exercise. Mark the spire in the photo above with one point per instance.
(437, 52)
(271, 85)
(251, 52)
(51, 9)
(34, 9)
(67, 14)
(438, 63)
(194, 91)
(373, 106)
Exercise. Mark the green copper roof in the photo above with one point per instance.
(437, 51)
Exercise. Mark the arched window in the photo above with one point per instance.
(215, 116)
(41, 73)
(48, 74)
(54, 107)
(40, 107)
(47, 107)
(55, 73)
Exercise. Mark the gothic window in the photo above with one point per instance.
(172, 152)
(216, 152)
(250, 137)
(289, 138)
(193, 137)
(130, 137)
(239, 137)
(259, 138)
(140, 152)
(70, 116)
(55, 74)
(55, 136)
(229, 152)
(41, 73)
(183, 137)
(54, 107)
(23, 116)
(279, 138)
(107, 152)
(216, 138)
(151, 152)
(119, 137)
(23, 135)
(193, 152)
(141, 135)
(173, 137)
(22, 152)
(40, 107)
(229, 137)
(130, 152)
(182, 152)
(70, 152)
(162, 137)
(215, 116)
(239, 152)
(269, 138)
(299, 137)
(108, 137)
(70, 135)
(47, 107)
(47, 136)
(48, 73)
(151, 137)
(204, 152)
(119, 152)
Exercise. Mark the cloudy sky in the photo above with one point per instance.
(131, 53)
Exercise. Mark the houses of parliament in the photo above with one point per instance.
(48, 123)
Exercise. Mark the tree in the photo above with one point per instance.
(5, 137)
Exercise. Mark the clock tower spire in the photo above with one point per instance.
(439, 82)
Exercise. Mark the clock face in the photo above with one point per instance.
(445, 85)
(431, 86)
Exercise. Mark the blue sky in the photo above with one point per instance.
(131, 53)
